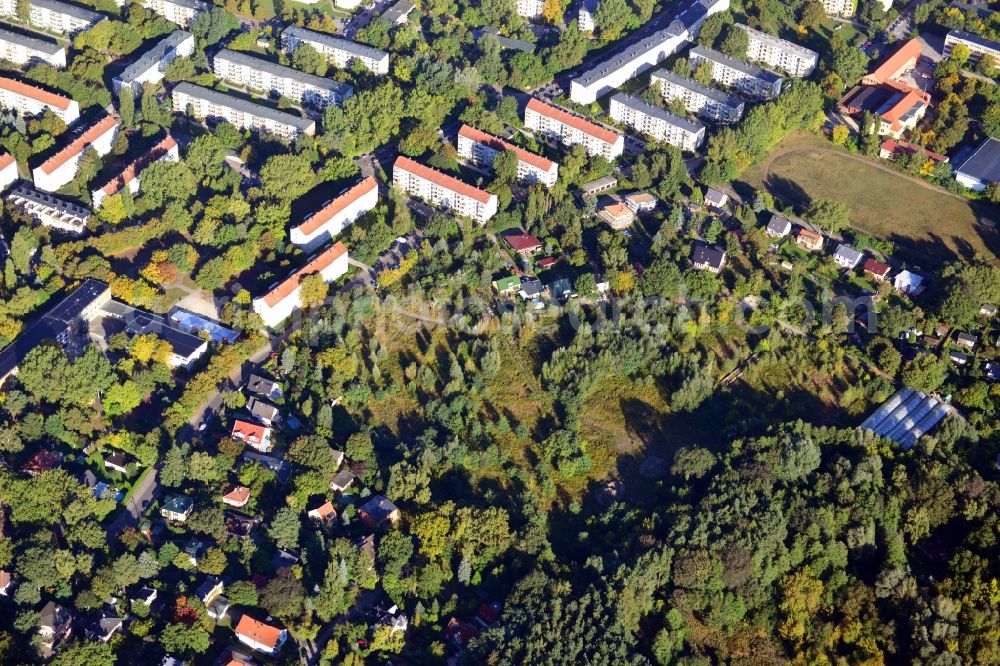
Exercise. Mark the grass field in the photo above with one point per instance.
(924, 222)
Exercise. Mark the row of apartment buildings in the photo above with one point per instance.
(285, 297)
(54, 16)
(656, 122)
(181, 12)
(22, 49)
(481, 149)
(338, 51)
(207, 103)
(795, 60)
(31, 100)
(61, 167)
(128, 178)
(151, 65)
(560, 125)
(704, 101)
(443, 190)
(335, 215)
(745, 78)
(261, 74)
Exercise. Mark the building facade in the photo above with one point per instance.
(165, 150)
(25, 50)
(562, 126)
(30, 100)
(705, 101)
(480, 148)
(260, 74)
(8, 170)
(657, 123)
(279, 303)
(150, 66)
(61, 168)
(55, 16)
(338, 51)
(443, 190)
(208, 103)
(842, 8)
(746, 79)
(49, 210)
(789, 57)
(530, 9)
(335, 216)
(181, 12)
(978, 47)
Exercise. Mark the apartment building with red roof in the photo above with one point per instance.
(164, 150)
(260, 636)
(253, 435)
(8, 170)
(480, 148)
(284, 298)
(443, 190)
(60, 168)
(895, 66)
(336, 215)
(563, 126)
(31, 100)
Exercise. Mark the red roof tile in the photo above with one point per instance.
(79, 144)
(894, 64)
(128, 174)
(568, 118)
(317, 264)
(321, 217)
(6, 159)
(498, 144)
(34, 92)
(237, 495)
(522, 241)
(248, 432)
(875, 267)
(258, 631)
(442, 179)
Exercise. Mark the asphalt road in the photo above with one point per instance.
(141, 499)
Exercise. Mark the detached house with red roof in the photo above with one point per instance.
(809, 240)
(336, 215)
(236, 496)
(164, 150)
(283, 299)
(522, 242)
(443, 190)
(480, 148)
(260, 636)
(253, 435)
(31, 100)
(61, 168)
(876, 269)
(563, 126)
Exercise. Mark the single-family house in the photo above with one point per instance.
(460, 632)
(6, 583)
(194, 549)
(252, 434)
(264, 412)
(323, 513)
(143, 595)
(42, 460)
(342, 481)
(909, 283)
(530, 289)
(218, 607)
(561, 288)
(617, 215)
(966, 340)
(391, 617)
(716, 198)
(489, 614)
(993, 372)
(507, 285)
(236, 496)
(988, 311)
(778, 227)
(264, 386)
(522, 243)
(209, 588)
(957, 357)
(847, 257)
(640, 202)
(260, 636)
(102, 627)
(876, 269)
(809, 240)
(117, 461)
(707, 258)
(55, 625)
(379, 510)
(177, 508)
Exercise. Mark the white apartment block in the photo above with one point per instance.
(651, 51)
(181, 12)
(560, 125)
(338, 51)
(30, 100)
(743, 77)
(207, 103)
(585, 15)
(55, 16)
(279, 303)
(49, 210)
(8, 170)
(842, 8)
(707, 102)
(978, 47)
(530, 9)
(164, 151)
(657, 123)
(61, 168)
(480, 148)
(443, 190)
(335, 216)
(260, 74)
(789, 57)
(28, 50)
(151, 65)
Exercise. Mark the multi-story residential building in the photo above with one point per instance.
(151, 65)
(978, 46)
(49, 210)
(530, 8)
(399, 12)
(561, 125)
(22, 49)
(657, 123)
(208, 103)
(181, 12)
(443, 190)
(30, 100)
(60, 168)
(55, 16)
(279, 303)
(8, 174)
(842, 8)
(705, 101)
(789, 57)
(335, 216)
(585, 15)
(338, 51)
(645, 54)
(260, 636)
(480, 148)
(743, 77)
(164, 150)
(261, 74)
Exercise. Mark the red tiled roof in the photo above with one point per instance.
(246, 431)
(239, 494)
(617, 210)
(259, 632)
(79, 144)
(324, 510)
(34, 92)
(6, 159)
(811, 235)
(442, 179)
(321, 217)
(568, 118)
(129, 173)
(895, 63)
(899, 109)
(289, 284)
(893, 146)
(876, 267)
(498, 144)
(522, 241)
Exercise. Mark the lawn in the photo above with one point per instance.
(928, 224)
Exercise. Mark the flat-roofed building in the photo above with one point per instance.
(656, 122)
(31, 100)
(60, 168)
(49, 210)
(151, 65)
(842, 8)
(338, 51)
(443, 190)
(181, 12)
(335, 216)
(705, 101)
(262, 74)
(743, 77)
(22, 49)
(128, 178)
(978, 46)
(55, 16)
(561, 125)
(8, 174)
(208, 103)
(789, 57)
(480, 148)
(279, 303)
